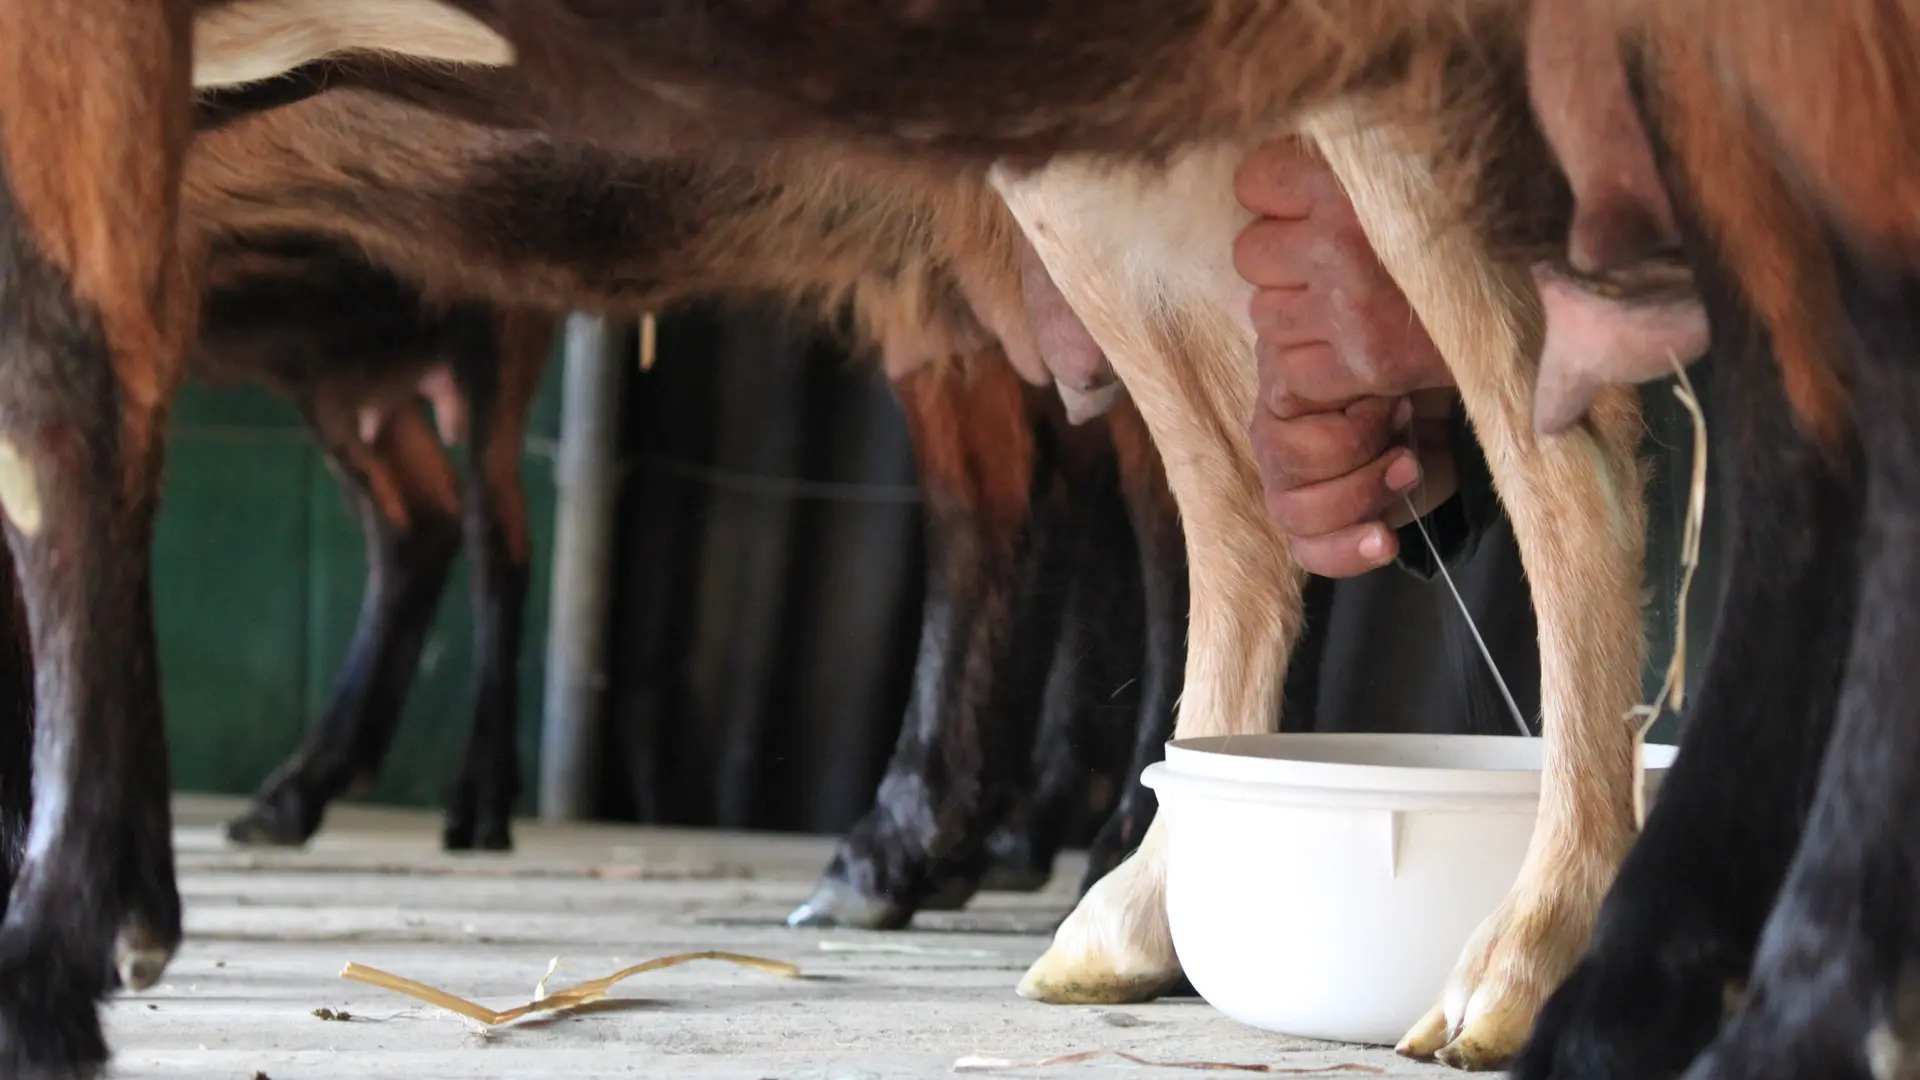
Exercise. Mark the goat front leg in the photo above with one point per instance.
(499, 371)
(1117, 243)
(98, 310)
(1579, 520)
(403, 491)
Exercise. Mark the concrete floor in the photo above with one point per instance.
(267, 935)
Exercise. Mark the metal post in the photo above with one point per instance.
(586, 476)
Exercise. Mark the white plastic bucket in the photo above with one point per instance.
(1324, 885)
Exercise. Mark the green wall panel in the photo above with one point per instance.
(257, 583)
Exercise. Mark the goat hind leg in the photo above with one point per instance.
(1579, 521)
(1162, 552)
(955, 762)
(1178, 338)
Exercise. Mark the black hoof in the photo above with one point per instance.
(1117, 839)
(1021, 879)
(480, 815)
(1626, 1014)
(278, 819)
(837, 903)
(486, 833)
(49, 1027)
(1013, 865)
(1771, 1057)
(950, 895)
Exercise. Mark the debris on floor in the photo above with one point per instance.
(572, 997)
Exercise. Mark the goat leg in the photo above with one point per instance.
(1676, 934)
(1122, 244)
(99, 309)
(402, 490)
(16, 728)
(1163, 572)
(499, 374)
(1579, 520)
(955, 761)
(1834, 990)
(1096, 649)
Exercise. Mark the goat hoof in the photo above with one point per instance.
(1820, 1026)
(950, 894)
(1824, 1003)
(140, 956)
(1013, 865)
(1513, 961)
(1626, 1013)
(274, 821)
(837, 903)
(1115, 948)
(49, 1029)
(489, 833)
(1021, 879)
(1741, 1054)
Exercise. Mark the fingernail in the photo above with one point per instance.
(1403, 413)
(1403, 474)
(1373, 546)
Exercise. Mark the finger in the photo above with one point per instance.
(1349, 552)
(1320, 446)
(1311, 378)
(1362, 495)
(1268, 180)
(1316, 379)
(1277, 253)
(1287, 316)
(1439, 478)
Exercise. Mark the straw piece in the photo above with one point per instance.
(1673, 689)
(978, 1063)
(540, 988)
(585, 993)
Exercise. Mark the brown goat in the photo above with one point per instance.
(351, 348)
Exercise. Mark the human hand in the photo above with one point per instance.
(1345, 368)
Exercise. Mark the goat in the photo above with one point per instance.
(350, 346)
(102, 289)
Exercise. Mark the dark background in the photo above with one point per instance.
(766, 594)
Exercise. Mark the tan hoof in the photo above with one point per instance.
(1427, 1036)
(1487, 1042)
(1115, 948)
(1090, 982)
